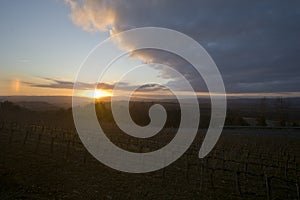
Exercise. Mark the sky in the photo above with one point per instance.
(255, 44)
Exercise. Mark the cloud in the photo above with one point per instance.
(152, 87)
(92, 15)
(255, 44)
(56, 84)
(60, 84)
(148, 90)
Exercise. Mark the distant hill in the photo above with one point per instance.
(50, 102)
(245, 107)
(37, 105)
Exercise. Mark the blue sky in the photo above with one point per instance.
(39, 40)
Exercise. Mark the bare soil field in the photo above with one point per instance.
(38, 162)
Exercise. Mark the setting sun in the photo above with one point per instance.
(96, 94)
(101, 93)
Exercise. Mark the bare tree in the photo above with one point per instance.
(282, 107)
(262, 109)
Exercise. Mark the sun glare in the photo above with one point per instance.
(97, 94)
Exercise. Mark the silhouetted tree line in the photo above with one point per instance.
(56, 118)
(235, 119)
(139, 112)
(280, 112)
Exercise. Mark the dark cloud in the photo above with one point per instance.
(255, 44)
(59, 84)
(152, 87)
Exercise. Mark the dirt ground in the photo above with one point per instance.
(245, 164)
